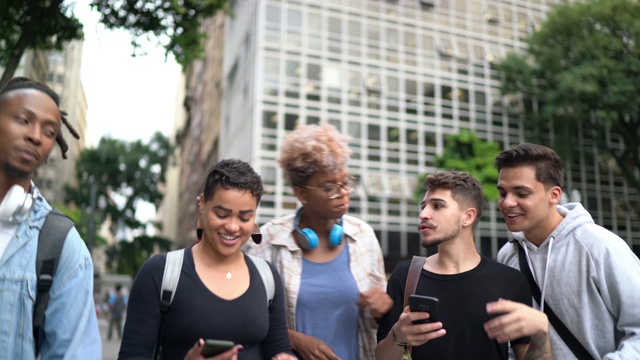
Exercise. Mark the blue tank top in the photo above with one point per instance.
(326, 307)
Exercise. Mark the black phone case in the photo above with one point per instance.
(419, 303)
(216, 347)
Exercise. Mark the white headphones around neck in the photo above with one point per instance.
(16, 205)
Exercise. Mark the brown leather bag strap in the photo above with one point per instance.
(412, 277)
(417, 262)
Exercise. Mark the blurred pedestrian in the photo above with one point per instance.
(117, 308)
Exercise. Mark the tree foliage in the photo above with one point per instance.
(177, 21)
(81, 221)
(582, 70)
(132, 172)
(132, 254)
(467, 152)
(47, 25)
(124, 173)
(44, 25)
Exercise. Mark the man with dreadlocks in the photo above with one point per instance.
(30, 123)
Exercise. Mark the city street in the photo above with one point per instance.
(109, 348)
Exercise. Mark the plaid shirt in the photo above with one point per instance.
(365, 261)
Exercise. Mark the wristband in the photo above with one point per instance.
(406, 353)
(395, 339)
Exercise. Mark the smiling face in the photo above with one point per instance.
(29, 124)
(526, 205)
(441, 218)
(228, 219)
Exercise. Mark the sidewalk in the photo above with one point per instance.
(109, 348)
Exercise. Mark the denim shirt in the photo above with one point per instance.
(70, 327)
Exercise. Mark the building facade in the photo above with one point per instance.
(398, 76)
(63, 76)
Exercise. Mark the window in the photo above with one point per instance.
(427, 43)
(273, 14)
(354, 78)
(355, 30)
(331, 77)
(314, 22)
(372, 83)
(293, 68)
(290, 121)
(269, 119)
(335, 25)
(393, 84)
(374, 132)
(314, 72)
(271, 66)
(294, 18)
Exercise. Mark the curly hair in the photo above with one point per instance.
(20, 83)
(312, 148)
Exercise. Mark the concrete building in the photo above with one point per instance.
(397, 76)
(33, 65)
(63, 76)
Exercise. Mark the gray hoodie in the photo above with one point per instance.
(591, 279)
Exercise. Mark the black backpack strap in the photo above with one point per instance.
(574, 344)
(50, 241)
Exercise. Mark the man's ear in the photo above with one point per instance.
(469, 216)
(555, 194)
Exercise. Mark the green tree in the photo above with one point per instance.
(47, 25)
(176, 21)
(44, 25)
(465, 151)
(81, 220)
(125, 173)
(132, 254)
(582, 69)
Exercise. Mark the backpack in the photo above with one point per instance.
(50, 241)
(118, 306)
(171, 275)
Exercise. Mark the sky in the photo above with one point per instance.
(128, 98)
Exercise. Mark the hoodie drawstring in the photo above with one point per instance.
(546, 270)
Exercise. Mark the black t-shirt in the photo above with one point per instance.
(198, 313)
(463, 298)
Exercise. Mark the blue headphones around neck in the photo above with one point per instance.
(309, 239)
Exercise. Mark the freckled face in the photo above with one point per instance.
(228, 219)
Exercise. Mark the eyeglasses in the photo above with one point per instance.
(332, 190)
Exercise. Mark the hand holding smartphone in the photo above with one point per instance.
(421, 303)
(216, 347)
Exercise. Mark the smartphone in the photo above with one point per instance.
(215, 347)
(420, 303)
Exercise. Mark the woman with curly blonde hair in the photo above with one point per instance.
(331, 263)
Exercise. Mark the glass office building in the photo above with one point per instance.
(397, 76)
